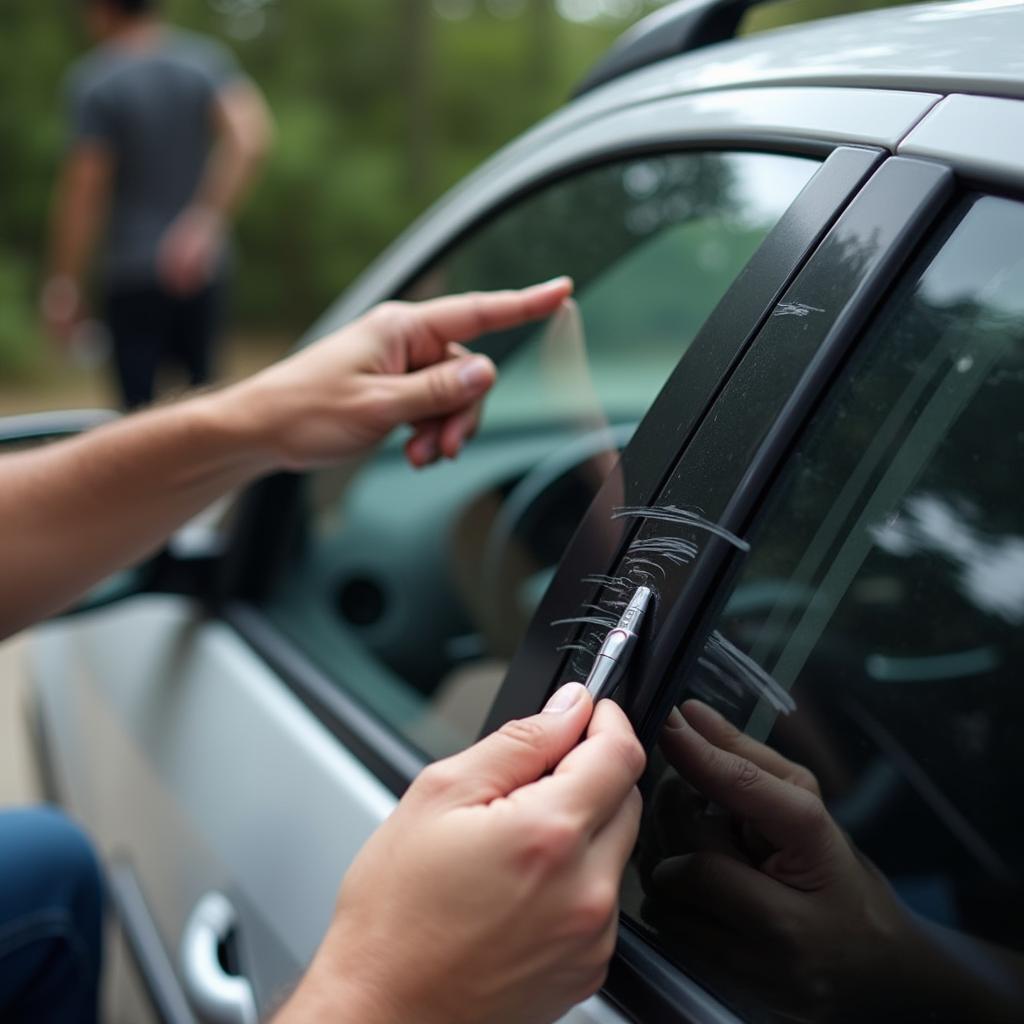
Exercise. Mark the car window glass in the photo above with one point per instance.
(412, 589)
(872, 647)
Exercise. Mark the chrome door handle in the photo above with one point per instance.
(218, 997)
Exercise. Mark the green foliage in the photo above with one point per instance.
(20, 343)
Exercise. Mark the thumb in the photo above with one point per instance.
(519, 753)
(443, 388)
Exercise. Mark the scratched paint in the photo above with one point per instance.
(578, 649)
(797, 309)
(619, 583)
(682, 516)
(646, 562)
(587, 620)
(741, 673)
(674, 549)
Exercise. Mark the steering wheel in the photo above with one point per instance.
(512, 581)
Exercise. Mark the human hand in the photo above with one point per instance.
(400, 363)
(767, 883)
(188, 252)
(491, 893)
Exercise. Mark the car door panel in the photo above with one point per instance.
(185, 776)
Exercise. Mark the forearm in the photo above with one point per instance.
(229, 171)
(243, 139)
(79, 207)
(74, 512)
(73, 238)
(325, 997)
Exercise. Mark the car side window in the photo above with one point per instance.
(871, 647)
(412, 589)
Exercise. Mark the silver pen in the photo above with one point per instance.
(611, 661)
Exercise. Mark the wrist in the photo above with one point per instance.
(208, 214)
(226, 426)
(326, 996)
(60, 297)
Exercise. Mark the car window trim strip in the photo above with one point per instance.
(644, 986)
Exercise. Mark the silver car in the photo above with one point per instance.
(790, 399)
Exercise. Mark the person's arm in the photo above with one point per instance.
(73, 512)
(79, 207)
(243, 128)
(491, 894)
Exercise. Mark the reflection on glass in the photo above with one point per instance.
(873, 867)
(413, 589)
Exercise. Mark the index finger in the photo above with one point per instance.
(595, 777)
(786, 814)
(722, 733)
(465, 317)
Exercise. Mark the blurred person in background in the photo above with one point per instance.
(166, 134)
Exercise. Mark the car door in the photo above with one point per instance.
(851, 603)
(198, 733)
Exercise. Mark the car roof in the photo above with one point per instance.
(963, 46)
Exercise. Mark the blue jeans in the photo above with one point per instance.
(51, 910)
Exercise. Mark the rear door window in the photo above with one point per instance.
(873, 641)
(412, 590)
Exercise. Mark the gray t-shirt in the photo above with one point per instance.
(153, 109)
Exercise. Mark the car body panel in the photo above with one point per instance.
(208, 752)
(970, 46)
(981, 137)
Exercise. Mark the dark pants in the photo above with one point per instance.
(151, 328)
(51, 910)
